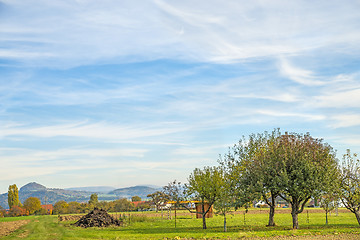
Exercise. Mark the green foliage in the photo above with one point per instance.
(307, 167)
(328, 203)
(225, 201)
(123, 205)
(32, 204)
(135, 198)
(253, 165)
(175, 191)
(158, 198)
(13, 196)
(61, 207)
(94, 200)
(206, 185)
(74, 207)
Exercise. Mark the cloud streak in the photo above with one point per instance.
(62, 32)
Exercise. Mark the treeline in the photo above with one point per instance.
(291, 166)
(33, 206)
(120, 205)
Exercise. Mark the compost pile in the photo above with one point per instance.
(97, 218)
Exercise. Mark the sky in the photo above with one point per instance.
(125, 93)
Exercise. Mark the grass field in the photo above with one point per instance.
(150, 225)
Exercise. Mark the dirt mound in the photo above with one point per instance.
(98, 218)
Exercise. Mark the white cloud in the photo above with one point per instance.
(93, 130)
(71, 33)
(345, 120)
(301, 76)
(304, 116)
(339, 99)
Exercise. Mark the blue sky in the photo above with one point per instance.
(123, 93)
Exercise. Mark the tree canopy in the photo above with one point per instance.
(13, 196)
(307, 165)
(206, 185)
(32, 204)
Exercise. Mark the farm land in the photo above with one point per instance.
(152, 225)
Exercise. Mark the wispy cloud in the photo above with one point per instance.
(299, 75)
(345, 120)
(92, 130)
(62, 32)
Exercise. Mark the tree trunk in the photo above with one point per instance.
(326, 212)
(271, 216)
(294, 215)
(175, 215)
(357, 214)
(203, 216)
(224, 222)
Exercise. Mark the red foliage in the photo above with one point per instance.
(16, 211)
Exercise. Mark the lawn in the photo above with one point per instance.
(150, 225)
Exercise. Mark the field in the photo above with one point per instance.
(150, 225)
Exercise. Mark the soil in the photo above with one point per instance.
(8, 227)
(98, 218)
(69, 218)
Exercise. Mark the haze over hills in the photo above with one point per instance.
(77, 194)
(96, 189)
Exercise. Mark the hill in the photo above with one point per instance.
(46, 195)
(141, 191)
(94, 189)
(82, 194)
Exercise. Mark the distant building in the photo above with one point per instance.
(48, 208)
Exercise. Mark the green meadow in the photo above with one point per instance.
(150, 225)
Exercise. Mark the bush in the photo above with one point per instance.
(17, 211)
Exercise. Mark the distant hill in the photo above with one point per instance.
(33, 186)
(141, 191)
(81, 194)
(46, 195)
(95, 189)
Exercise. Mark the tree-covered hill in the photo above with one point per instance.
(53, 195)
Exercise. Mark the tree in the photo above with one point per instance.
(225, 201)
(2, 211)
(176, 193)
(327, 202)
(135, 199)
(306, 167)
(142, 206)
(206, 185)
(94, 200)
(61, 207)
(123, 205)
(158, 198)
(252, 165)
(32, 204)
(13, 196)
(350, 183)
(74, 207)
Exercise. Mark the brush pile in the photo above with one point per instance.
(98, 218)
